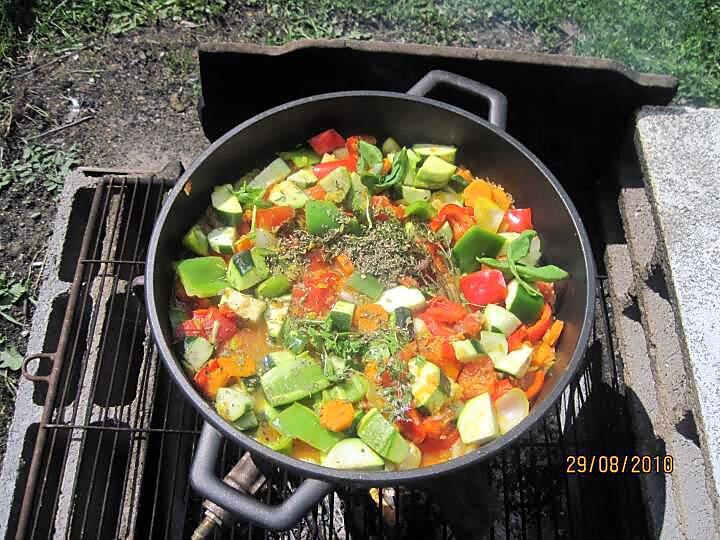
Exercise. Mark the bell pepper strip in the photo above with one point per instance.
(537, 330)
(477, 378)
(327, 141)
(534, 389)
(321, 170)
(443, 443)
(300, 422)
(459, 218)
(515, 340)
(501, 387)
(369, 317)
(337, 415)
(484, 287)
(553, 334)
(411, 427)
(272, 218)
(448, 362)
(518, 220)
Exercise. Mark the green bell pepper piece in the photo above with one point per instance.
(476, 242)
(321, 217)
(203, 277)
(293, 380)
(196, 241)
(300, 422)
(274, 286)
(352, 389)
(421, 209)
(366, 284)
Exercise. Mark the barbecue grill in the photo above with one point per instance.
(110, 455)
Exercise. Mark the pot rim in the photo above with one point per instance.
(369, 478)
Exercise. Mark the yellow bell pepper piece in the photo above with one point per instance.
(488, 215)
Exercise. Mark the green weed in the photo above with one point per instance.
(40, 163)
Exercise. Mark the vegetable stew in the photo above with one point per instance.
(366, 306)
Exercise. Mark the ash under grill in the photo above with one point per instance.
(120, 436)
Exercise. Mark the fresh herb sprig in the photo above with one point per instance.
(251, 196)
(518, 249)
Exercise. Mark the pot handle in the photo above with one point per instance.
(282, 517)
(496, 99)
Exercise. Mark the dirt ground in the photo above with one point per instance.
(141, 91)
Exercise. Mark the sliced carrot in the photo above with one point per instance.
(552, 335)
(337, 415)
(237, 365)
(345, 264)
(537, 384)
(369, 317)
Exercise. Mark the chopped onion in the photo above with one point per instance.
(265, 239)
(512, 407)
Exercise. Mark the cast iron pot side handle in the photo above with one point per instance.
(495, 98)
(282, 517)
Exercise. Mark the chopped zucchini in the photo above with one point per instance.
(351, 389)
(276, 314)
(494, 345)
(412, 194)
(440, 199)
(390, 146)
(401, 296)
(222, 240)
(246, 269)
(301, 157)
(403, 320)
(382, 436)
(245, 306)
(341, 315)
(247, 421)
(226, 205)
(446, 233)
(196, 351)
(274, 286)
(467, 350)
(196, 241)
(287, 193)
(515, 363)
(281, 357)
(303, 178)
(277, 170)
(232, 402)
(336, 184)
(522, 304)
(430, 386)
(412, 460)
(500, 319)
(353, 454)
(334, 367)
(434, 173)
(477, 422)
(458, 183)
(446, 153)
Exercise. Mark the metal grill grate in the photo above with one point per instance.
(115, 445)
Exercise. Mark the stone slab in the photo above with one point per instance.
(680, 154)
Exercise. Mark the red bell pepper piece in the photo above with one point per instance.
(327, 141)
(484, 287)
(518, 220)
(536, 331)
(272, 218)
(208, 323)
(460, 219)
(469, 326)
(516, 338)
(411, 427)
(323, 169)
(434, 327)
(317, 292)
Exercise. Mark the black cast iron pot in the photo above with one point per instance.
(483, 146)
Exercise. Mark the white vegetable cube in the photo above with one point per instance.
(245, 306)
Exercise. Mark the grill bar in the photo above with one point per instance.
(125, 436)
